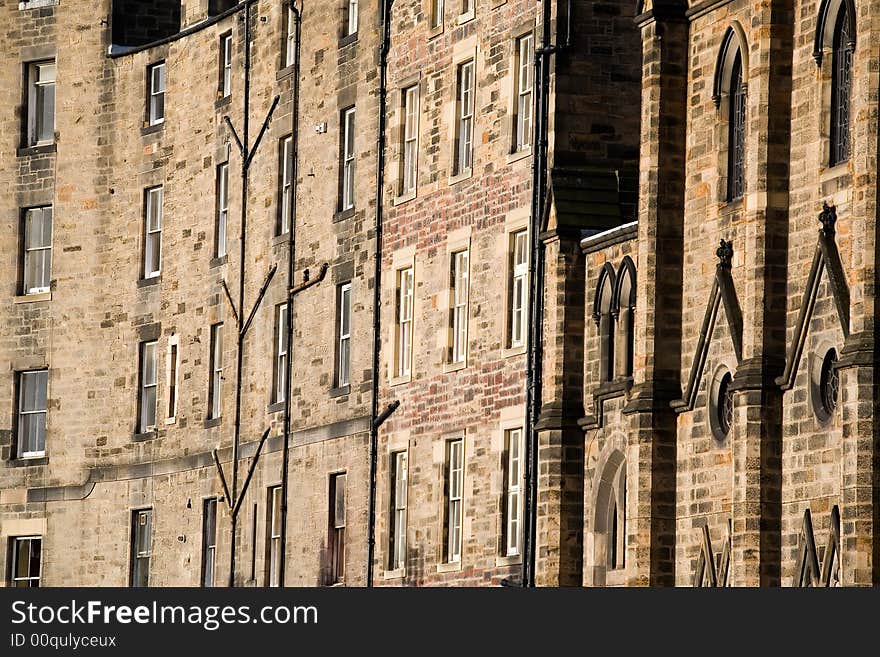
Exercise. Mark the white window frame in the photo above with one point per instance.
(519, 290)
(351, 26)
(43, 250)
(281, 353)
(343, 341)
(348, 137)
(216, 388)
(226, 51)
(222, 208)
(410, 168)
(286, 184)
(141, 554)
(460, 294)
(405, 300)
(209, 541)
(525, 75)
(273, 571)
(454, 498)
(436, 14)
(338, 483)
(464, 110)
(156, 87)
(399, 481)
(148, 386)
(173, 378)
(290, 38)
(41, 378)
(39, 89)
(513, 439)
(153, 211)
(466, 9)
(33, 581)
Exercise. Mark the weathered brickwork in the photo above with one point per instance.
(797, 288)
(99, 465)
(105, 155)
(693, 424)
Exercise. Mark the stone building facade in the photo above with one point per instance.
(569, 317)
(743, 450)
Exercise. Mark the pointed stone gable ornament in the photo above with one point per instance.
(723, 292)
(826, 258)
(828, 217)
(725, 254)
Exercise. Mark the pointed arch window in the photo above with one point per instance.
(841, 86)
(624, 310)
(615, 552)
(729, 96)
(608, 552)
(602, 315)
(736, 140)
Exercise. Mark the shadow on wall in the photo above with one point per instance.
(138, 22)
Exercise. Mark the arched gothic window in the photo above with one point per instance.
(625, 304)
(609, 524)
(736, 138)
(615, 551)
(841, 86)
(729, 95)
(602, 315)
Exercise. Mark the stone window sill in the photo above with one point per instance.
(404, 198)
(516, 156)
(283, 238)
(216, 262)
(449, 567)
(397, 573)
(834, 179)
(615, 388)
(28, 461)
(466, 18)
(343, 215)
(32, 298)
(400, 380)
(284, 72)
(36, 4)
(454, 367)
(835, 171)
(275, 407)
(615, 577)
(148, 129)
(143, 437)
(147, 282)
(508, 560)
(222, 102)
(348, 39)
(341, 391)
(508, 352)
(434, 32)
(460, 177)
(36, 149)
(213, 422)
(731, 207)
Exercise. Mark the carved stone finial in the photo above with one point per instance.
(725, 254)
(828, 217)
